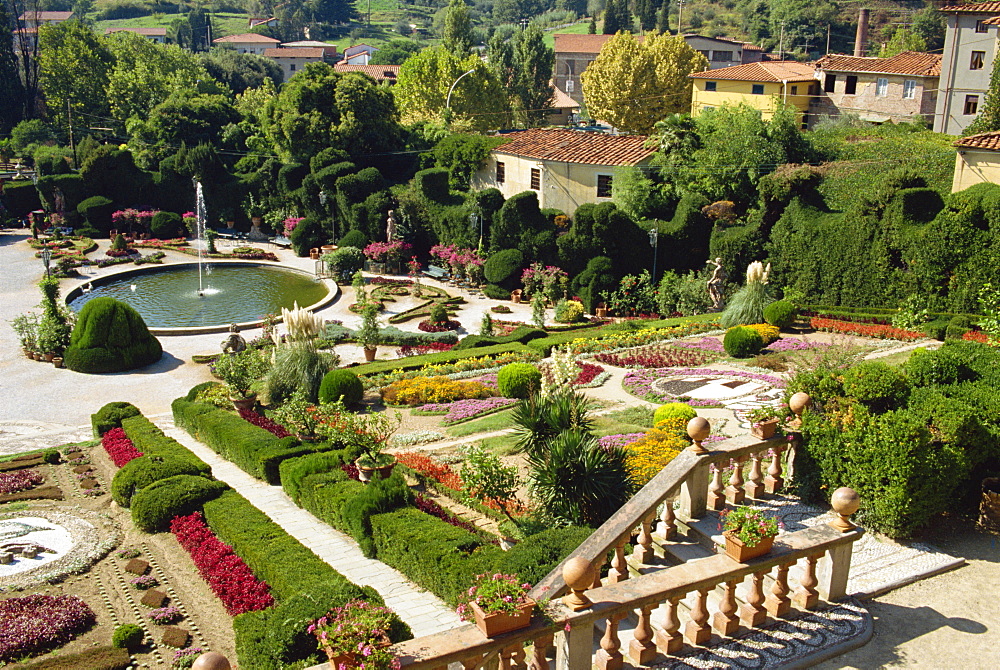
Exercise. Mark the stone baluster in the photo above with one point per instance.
(642, 649)
(734, 492)
(778, 602)
(755, 483)
(669, 639)
(835, 567)
(716, 492)
(807, 597)
(597, 571)
(476, 661)
(578, 573)
(726, 622)
(609, 656)
(512, 657)
(543, 644)
(752, 613)
(643, 550)
(698, 429)
(697, 630)
(619, 566)
(667, 525)
(773, 483)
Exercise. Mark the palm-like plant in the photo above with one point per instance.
(538, 420)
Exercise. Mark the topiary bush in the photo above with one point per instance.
(518, 380)
(96, 211)
(438, 313)
(110, 336)
(308, 234)
(781, 314)
(433, 183)
(140, 472)
(674, 410)
(569, 311)
(341, 385)
(166, 225)
(933, 368)
(111, 416)
(353, 238)
(957, 327)
(742, 342)
(879, 386)
(128, 636)
(504, 267)
(154, 506)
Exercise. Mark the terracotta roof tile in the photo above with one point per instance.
(907, 62)
(377, 72)
(584, 44)
(981, 141)
(302, 52)
(576, 146)
(771, 71)
(972, 8)
(247, 38)
(43, 15)
(561, 100)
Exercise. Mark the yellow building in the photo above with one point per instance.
(765, 86)
(977, 161)
(566, 168)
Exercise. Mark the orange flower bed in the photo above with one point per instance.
(427, 466)
(976, 336)
(864, 329)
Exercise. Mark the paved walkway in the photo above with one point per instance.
(425, 613)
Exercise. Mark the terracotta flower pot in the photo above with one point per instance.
(244, 403)
(498, 623)
(765, 430)
(370, 353)
(314, 254)
(57, 361)
(48, 357)
(365, 474)
(740, 552)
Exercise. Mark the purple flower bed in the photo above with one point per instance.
(705, 343)
(793, 344)
(488, 380)
(267, 424)
(619, 440)
(19, 480)
(37, 622)
(639, 382)
(463, 410)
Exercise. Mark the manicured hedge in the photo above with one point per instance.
(154, 506)
(522, 334)
(545, 344)
(111, 415)
(151, 441)
(140, 472)
(415, 362)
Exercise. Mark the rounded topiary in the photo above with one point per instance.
(932, 368)
(341, 385)
(140, 472)
(672, 410)
(128, 636)
(503, 266)
(781, 314)
(518, 380)
(569, 311)
(878, 385)
(742, 342)
(154, 506)
(165, 225)
(110, 336)
(439, 313)
(957, 327)
(111, 416)
(96, 211)
(353, 238)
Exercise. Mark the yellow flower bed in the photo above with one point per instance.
(424, 390)
(645, 457)
(636, 338)
(768, 333)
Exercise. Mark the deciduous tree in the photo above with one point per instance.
(74, 68)
(12, 100)
(457, 35)
(902, 40)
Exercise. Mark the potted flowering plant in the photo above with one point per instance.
(356, 635)
(239, 371)
(749, 532)
(299, 416)
(764, 421)
(498, 603)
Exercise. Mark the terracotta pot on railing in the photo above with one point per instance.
(498, 623)
(741, 553)
(314, 254)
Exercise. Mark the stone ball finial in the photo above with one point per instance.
(698, 429)
(211, 660)
(578, 573)
(799, 402)
(845, 502)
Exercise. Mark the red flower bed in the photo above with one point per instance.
(270, 426)
(119, 447)
(432, 347)
(429, 327)
(19, 480)
(588, 372)
(225, 572)
(428, 467)
(976, 336)
(428, 506)
(865, 329)
(658, 358)
(36, 623)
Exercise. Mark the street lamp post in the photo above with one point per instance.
(46, 259)
(447, 104)
(654, 241)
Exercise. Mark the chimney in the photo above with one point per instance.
(861, 39)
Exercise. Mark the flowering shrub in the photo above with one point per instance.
(751, 525)
(185, 658)
(865, 329)
(358, 627)
(464, 410)
(549, 280)
(19, 480)
(428, 467)
(225, 572)
(619, 440)
(133, 218)
(494, 593)
(290, 223)
(381, 252)
(253, 253)
(645, 457)
(657, 357)
(38, 622)
(767, 332)
(976, 336)
(267, 424)
(429, 326)
(130, 552)
(165, 615)
(144, 582)
(423, 390)
(119, 447)
(429, 348)
(462, 261)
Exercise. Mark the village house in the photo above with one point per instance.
(970, 45)
(292, 61)
(566, 168)
(380, 73)
(329, 50)
(248, 43)
(33, 19)
(158, 35)
(359, 54)
(895, 89)
(565, 110)
(765, 86)
(977, 161)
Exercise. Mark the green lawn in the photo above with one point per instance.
(630, 420)
(576, 29)
(497, 421)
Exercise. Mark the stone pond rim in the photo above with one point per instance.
(332, 291)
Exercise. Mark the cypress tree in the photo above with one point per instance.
(12, 98)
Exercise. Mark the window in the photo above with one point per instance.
(814, 89)
(795, 90)
(881, 87)
(501, 172)
(758, 89)
(909, 89)
(291, 67)
(710, 85)
(536, 179)
(971, 104)
(603, 186)
(851, 85)
(706, 54)
(830, 83)
(981, 27)
(978, 58)
(722, 56)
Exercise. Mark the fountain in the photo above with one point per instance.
(201, 216)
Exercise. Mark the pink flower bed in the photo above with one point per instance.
(119, 447)
(428, 327)
(657, 357)
(37, 622)
(463, 410)
(20, 480)
(620, 440)
(225, 572)
(270, 426)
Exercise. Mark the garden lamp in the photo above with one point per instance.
(46, 259)
(654, 241)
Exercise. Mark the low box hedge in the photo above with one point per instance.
(522, 334)
(416, 362)
(110, 416)
(154, 506)
(151, 441)
(101, 658)
(140, 472)
(545, 345)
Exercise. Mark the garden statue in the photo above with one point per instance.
(715, 284)
(391, 226)
(235, 343)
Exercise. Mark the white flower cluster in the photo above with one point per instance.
(302, 325)
(757, 273)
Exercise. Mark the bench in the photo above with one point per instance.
(281, 241)
(434, 272)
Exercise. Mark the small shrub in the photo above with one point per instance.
(768, 333)
(439, 313)
(932, 368)
(140, 472)
(343, 385)
(518, 380)
(154, 506)
(569, 311)
(879, 386)
(111, 415)
(742, 342)
(957, 327)
(781, 314)
(503, 267)
(128, 636)
(110, 336)
(672, 410)
(166, 225)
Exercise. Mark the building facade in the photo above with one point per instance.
(977, 161)
(566, 168)
(359, 54)
(247, 43)
(387, 74)
(293, 61)
(970, 45)
(765, 86)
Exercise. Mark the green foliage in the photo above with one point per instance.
(518, 380)
(155, 505)
(346, 260)
(110, 416)
(934, 368)
(354, 238)
(151, 441)
(297, 368)
(308, 234)
(462, 155)
(127, 636)
(569, 311)
(504, 268)
(685, 294)
(438, 313)
(96, 211)
(781, 314)
(537, 555)
(747, 305)
(486, 478)
(166, 225)
(414, 362)
(521, 334)
(432, 183)
(635, 296)
(674, 410)
(139, 473)
(341, 385)
(957, 327)
(241, 370)
(537, 420)
(110, 336)
(879, 386)
(742, 342)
